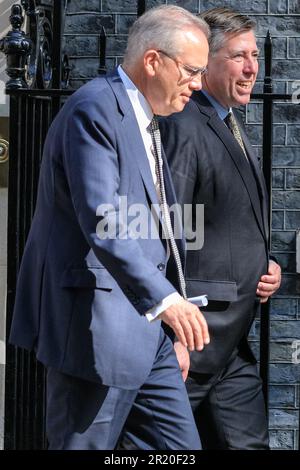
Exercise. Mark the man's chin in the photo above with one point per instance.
(172, 110)
(242, 100)
(179, 107)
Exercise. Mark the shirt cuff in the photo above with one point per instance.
(155, 311)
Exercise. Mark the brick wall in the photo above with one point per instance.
(282, 18)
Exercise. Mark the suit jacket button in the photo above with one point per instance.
(161, 266)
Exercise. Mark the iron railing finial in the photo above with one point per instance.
(16, 46)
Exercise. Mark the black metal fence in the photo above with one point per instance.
(38, 84)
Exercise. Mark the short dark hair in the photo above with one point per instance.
(223, 22)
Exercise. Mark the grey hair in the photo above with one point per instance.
(159, 28)
(223, 22)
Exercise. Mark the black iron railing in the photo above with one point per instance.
(268, 98)
(34, 66)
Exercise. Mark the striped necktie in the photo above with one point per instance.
(234, 128)
(166, 219)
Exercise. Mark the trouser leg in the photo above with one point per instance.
(229, 409)
(161, 417)
(84, 415)
(87, 415)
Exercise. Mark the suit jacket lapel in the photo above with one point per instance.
(132, 132)
(133, 135)
(235, 153)
(260, 179)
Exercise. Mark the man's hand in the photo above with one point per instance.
(188, 324)
(183, 358)
(269, 283)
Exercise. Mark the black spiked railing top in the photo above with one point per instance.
(141, 7)
(66, 69)
(268, 87)
(29, 6)
(102, 52)
(268, 64)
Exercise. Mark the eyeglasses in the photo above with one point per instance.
(191, 72)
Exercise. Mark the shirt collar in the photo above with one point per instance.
(142, 109)
(221, 111)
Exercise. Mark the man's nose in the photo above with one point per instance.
(196, 83)
(250, 65)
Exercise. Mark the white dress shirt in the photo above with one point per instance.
(144, 115)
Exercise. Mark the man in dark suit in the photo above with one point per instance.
(91, 291)
(212, 163)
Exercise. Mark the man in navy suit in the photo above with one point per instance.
(212, 163)
(91, 294)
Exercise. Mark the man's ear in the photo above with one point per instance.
(151, 62)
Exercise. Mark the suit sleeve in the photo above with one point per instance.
(91, 163)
